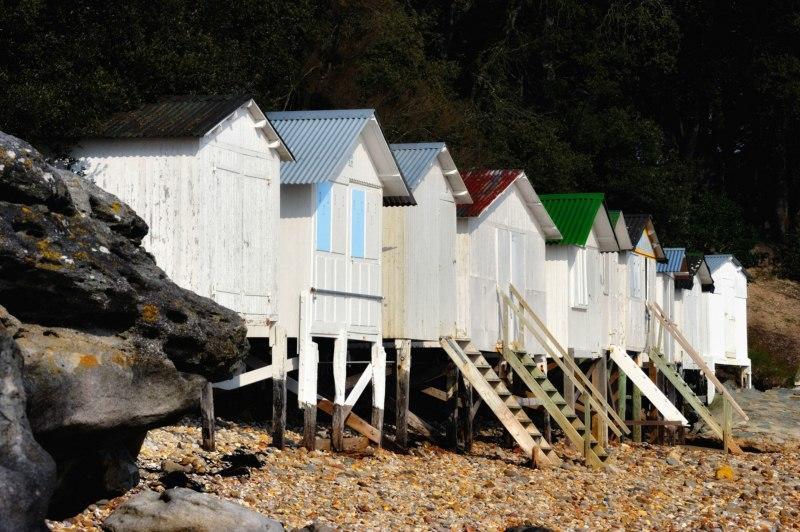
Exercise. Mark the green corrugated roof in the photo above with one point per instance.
(614, 216)
(573, 214)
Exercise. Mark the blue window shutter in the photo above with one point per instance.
(324, 216)
(358, 225)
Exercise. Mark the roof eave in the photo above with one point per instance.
(534, 203)
(453, 176)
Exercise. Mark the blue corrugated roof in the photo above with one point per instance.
(674, 262)
(415, 159)
(321, 141)
(715, 261)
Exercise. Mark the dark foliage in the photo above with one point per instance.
(687, 109)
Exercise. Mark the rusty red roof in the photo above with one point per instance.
(484, 186)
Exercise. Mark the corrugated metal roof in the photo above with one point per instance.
(674, 263)
(323, 142)
(185, 116)
(574, 214)
(484, 186)
(177, 116)
(715, 261)
(416, 159)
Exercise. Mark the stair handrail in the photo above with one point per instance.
(567, 365)
(676, 333)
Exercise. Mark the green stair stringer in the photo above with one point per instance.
(688, 395)
(558, 408)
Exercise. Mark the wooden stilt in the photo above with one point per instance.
(727, 425)
(569, 384)
(279, 361)
(309, 426)
(600, 382)
(587, 420)
(452, 405)
(622, 394)
(378, 386)
(403, 369)
(340, 410)
(636, 398)
(653, 372)
(465, 390)
(207, 415)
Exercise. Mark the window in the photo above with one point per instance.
(324, 216)
(578, 280)
(358, 226)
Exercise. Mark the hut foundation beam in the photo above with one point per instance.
(340, 409)
(279, 365)
(452, 405)
(403, 379)
(378, 385)
(207, 415)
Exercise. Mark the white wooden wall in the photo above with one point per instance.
(211, 205)
(419, 263)
(335, 270)
(635, 335)
(727, 308)
(504, 244)
(617, 266)
(665, 297)
(692, 310)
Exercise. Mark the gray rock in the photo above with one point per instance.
(27, 472)
(111, 346)
(180, 509)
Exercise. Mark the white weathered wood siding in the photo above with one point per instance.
(693, 321)
(505, 244)
(727, 308)
(305, 268)
(616, 265)
(211, 205)
(665, 297)
(419, 257)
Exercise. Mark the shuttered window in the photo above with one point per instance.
(578, 280)
(358, 224)
(323, 215)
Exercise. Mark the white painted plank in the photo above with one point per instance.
(648, 387)
(361, 384)
(256, 375)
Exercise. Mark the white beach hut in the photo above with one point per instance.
(331, 229)
(668, 273)
(577, 284)
(204, 173)
(727, 313)
(419, 247)
(641, 268)
(501, 240)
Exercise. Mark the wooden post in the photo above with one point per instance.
(653, 372)
(636, 394)
(378, 385)
(309, 426)
(279, 388)
(600, 381)
(340, 410)
(622, 394)
(727, 425)
(403, 374)
(207, 415)
(465, 390)
(452, 405)
(569, 385)
(587, 420)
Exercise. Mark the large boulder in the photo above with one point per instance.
(111, 346)
(27, 472)
(179, 509)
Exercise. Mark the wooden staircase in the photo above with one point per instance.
(537, 382)
(479, 373)
(689, 396)
(528, 319)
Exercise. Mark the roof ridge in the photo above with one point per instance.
(321, 114)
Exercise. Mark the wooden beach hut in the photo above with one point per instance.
(641, 269)
(576, 285)
(204, 173)
(330, 265)
(727, 315)
(501, 241)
